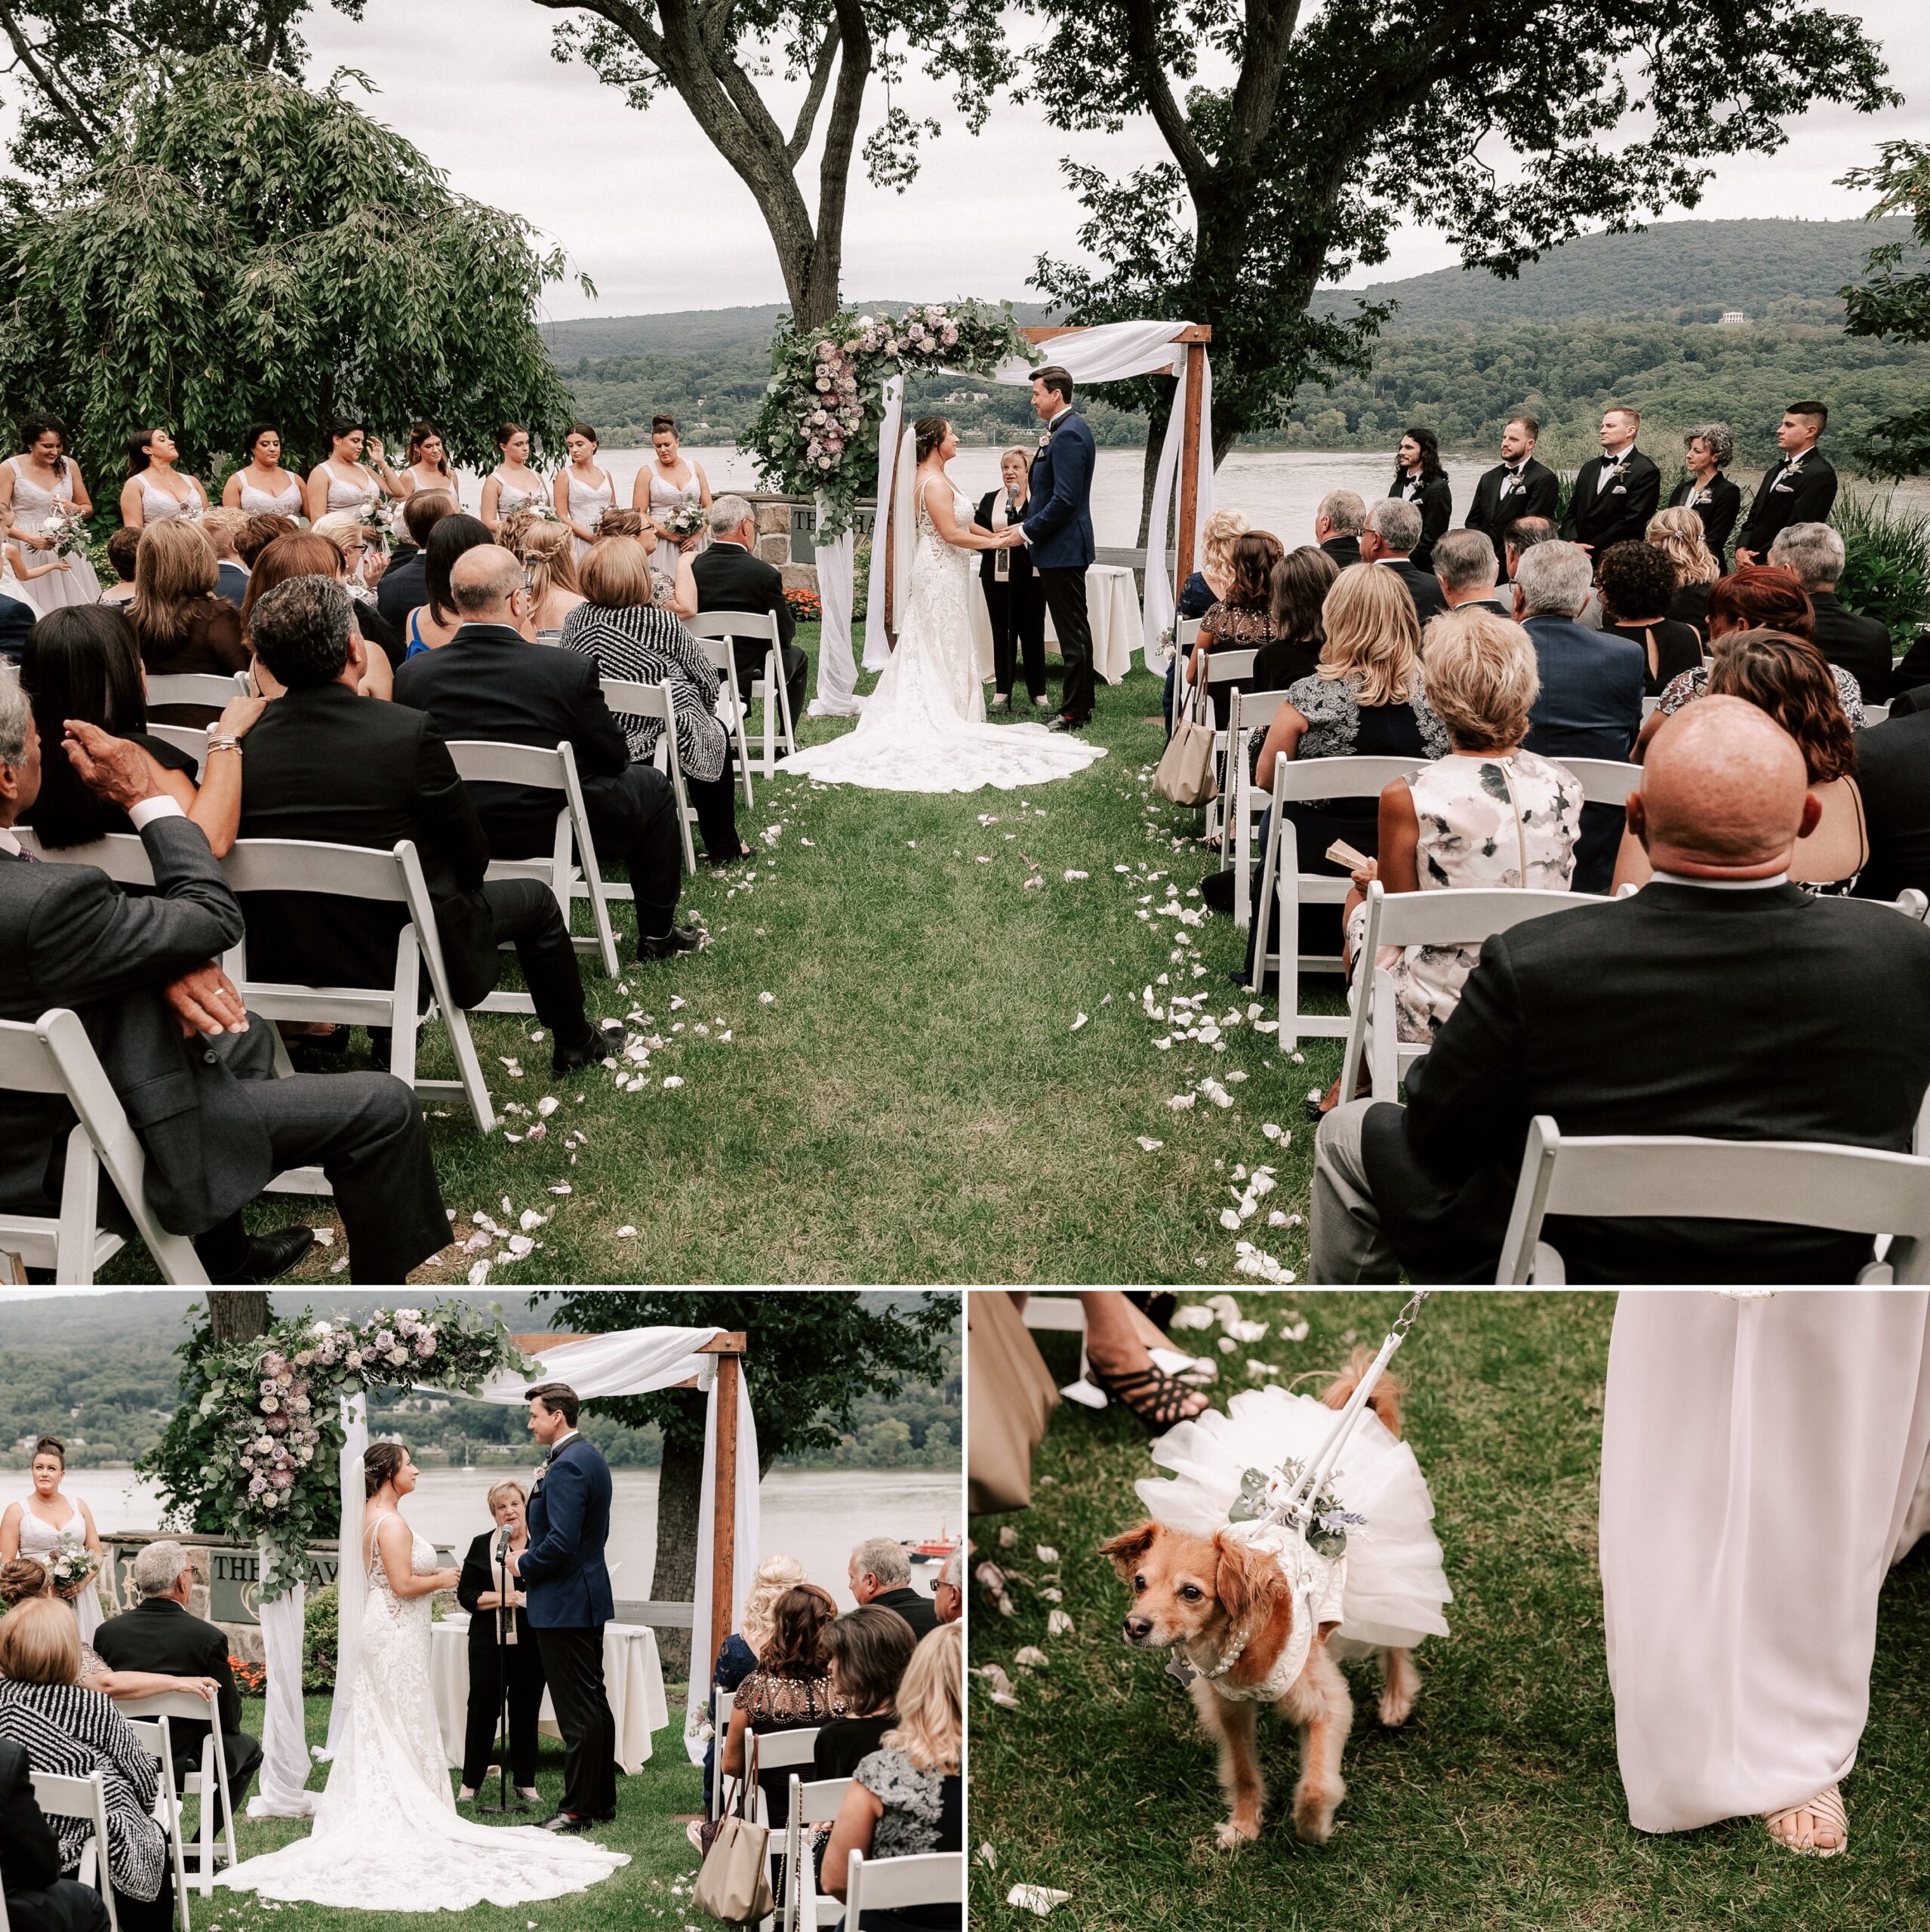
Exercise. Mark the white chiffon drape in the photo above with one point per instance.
(1765, 1462)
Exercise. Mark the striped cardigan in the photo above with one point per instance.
(74, 1733)
(644, 645)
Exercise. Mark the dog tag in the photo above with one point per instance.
(1179, 1670)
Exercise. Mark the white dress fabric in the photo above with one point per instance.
(513, 496)
(160, 505)
(387, 1836)
(40, 1542)
(33, 504)
(1395, 1585)
(351, 496)
(1764, 1463)
(259, 503)
(587, 504)
(923, 729)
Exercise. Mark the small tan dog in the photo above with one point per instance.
(1206, 1597)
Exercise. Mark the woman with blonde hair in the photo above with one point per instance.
(493, 1655)
(549, 556)
(1678, 533)
(1015, 601)
(179, 622)
(1206, 587)
(908, 1797)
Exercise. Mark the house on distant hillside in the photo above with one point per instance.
(1734, 318)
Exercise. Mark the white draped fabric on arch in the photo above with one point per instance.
(1109, 353)
(631, 1362)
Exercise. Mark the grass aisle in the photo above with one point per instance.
(640, 1896)
(912, 1102)
(1497, 1808)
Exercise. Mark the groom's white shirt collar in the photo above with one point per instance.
(568, 1435)
(1064, 406)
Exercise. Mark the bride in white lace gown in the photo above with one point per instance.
(924, 728)
(387, 1837)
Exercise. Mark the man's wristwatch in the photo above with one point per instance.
(223, 744)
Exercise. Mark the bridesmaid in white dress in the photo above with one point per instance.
(355, 474)
(428, 467)
(34, 1527)
(1765, 1461)
(42, 475)
(583, 491)
(512, 485)
(155, 490)
(261, 486)
(668, 482)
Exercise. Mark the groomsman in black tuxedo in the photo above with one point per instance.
(1616, 493)
(1799, 488)
(1517, 486)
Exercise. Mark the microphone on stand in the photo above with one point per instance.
(505, 1612)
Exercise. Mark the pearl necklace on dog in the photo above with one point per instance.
(1317, 1587)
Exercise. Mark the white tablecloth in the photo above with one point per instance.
(632, 1676)
(1112, 607)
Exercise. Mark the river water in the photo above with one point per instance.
(817, 1515)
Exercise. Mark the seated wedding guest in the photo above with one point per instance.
(81, 663)
(1590, 701)
(1638, 584)
(1798, 487)
(865, 1651)
(1523, 534)
(790, 1690)
(17, 611)
(323, 765)
(402, 588)
(179, 624)
(1243, 619)
(1678, 534)
(1338, 521)
(1709, 449)
(436, 619)
(627, 637)
(197, 1078)
(1789, 677)
(122, 548)
(492, 1658)
(1616, 493)
(908, 1797)
(1489, 814)
(1517, 486)
(549, 554)
(1392, 535)
(1014, 601)
(488, 683)
(1742, 978)
(38, 1898)
(1893, 777)
(1206, 585)
(738, 1655)
(881, 1574)
(156, 490)
(361, 563)
(260, 531)
(730, 576)
(1813, 552)
(948, 1598)
(161, 1634)
(1297, 593)
(22, 1579)
(1420, 479)
(1466, 577)
(221, 527)
(72, 1733)
(307, 553)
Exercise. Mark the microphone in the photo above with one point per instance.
(504, 1609)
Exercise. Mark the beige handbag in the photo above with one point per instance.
(733, 1884)
(1185, 775)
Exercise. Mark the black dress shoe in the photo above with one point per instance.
(565, 1824)
(666, 946)
(609, 1038)
(271, 1256)
(1063, 723)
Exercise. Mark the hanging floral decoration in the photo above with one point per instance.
(816, 432)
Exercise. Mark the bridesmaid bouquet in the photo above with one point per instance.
(72, 1564)
(67, 528)
(687, 520)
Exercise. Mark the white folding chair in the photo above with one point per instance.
(1649, 706)
(82, 1798)
(151, 1735)
(889, 1884)
(1605, 781)
(207, 1783)
(1059, 1314)
(197, 687)
(1854, 1190)
(1460, 917)
(189, 738)
(656, 701)
(54, 1055)
(1223, 668)
(1307, 780)
(1186, 635)
(813, 1803)
(721, 1729)
(1248, 711)
(777, 735)
(1875, 714)
(481, 761)
(5, 1924)
(712, 629)
(780, 1750)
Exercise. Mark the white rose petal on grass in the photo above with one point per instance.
(1077, 1024)
(1038, 1899)
(1257, 1369)
(1229, 1218)
(479, 1274)
(325, 1237)
(1276, 1219)
(1149, 1145)
(562, 1187)
(1070, 876)
(1007, 1537)
(529, 1218)
(987, 1856)
(1058, 1624)
(767, 999)
(1052, 1595)
(625, 1232)
(673, 1080)
(1181, 1101)
(1030, 1657)
(1046, 1553)
(1193, 1315)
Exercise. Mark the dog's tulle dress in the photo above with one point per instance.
(1396, 1586)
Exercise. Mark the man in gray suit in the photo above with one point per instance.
(195, 1072)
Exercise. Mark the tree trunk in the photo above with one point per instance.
(237, 1315)
(679, 1490)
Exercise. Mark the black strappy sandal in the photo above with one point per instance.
(1155, 1398)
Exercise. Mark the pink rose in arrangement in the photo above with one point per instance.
(283, 1479)
(425, 1344)
(278, 1425)
(270, 1403)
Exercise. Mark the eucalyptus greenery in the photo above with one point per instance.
(241, 249)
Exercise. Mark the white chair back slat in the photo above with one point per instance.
(121, 855)
(814, 1802)
(152, 1735)
(188, 738)
(726, 1702)
(1605, 781)
(716, 644)
(657, 701)
(207, 1783)
(890, 1885)
(196, 688)
(713, 626)
(82, 1798)
(1229, 667)
(1875, 714)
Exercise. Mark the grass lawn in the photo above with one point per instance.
(648, 1808)
(1497, 1808)
(911, 1102)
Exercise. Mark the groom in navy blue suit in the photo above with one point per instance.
(1059, 534)
(568, 1588)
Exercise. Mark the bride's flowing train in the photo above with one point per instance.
(387, 1836)
(924, 728)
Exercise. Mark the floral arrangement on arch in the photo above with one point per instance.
(269, 1429)
(816, 431)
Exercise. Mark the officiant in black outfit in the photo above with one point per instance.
(493, 1655)
(1015, 599)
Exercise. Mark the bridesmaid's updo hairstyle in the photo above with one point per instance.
(22, 1581)
(380, 1461)
(343, 427)
(50, 1445)
(663, 426)
(929, 431)
(253, 433)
